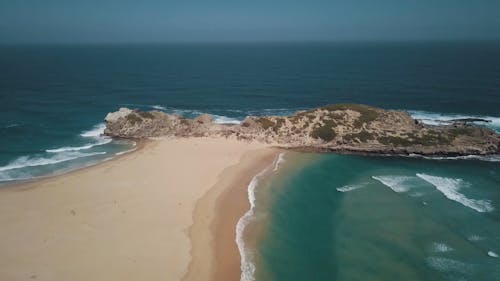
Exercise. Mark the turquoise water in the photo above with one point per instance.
(344, 217)
(52, 96)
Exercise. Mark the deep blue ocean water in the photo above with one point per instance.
(328, 217)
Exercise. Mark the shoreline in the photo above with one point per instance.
(139, 145)
(215, 218)
(129, 218)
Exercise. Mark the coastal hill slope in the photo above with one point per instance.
(332, 128)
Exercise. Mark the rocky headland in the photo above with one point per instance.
(351, 128)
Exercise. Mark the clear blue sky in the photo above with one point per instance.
(116, 21)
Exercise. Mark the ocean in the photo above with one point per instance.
(320, 217)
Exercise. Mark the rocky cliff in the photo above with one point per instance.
(341, 127)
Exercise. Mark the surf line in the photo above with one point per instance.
(247, 266)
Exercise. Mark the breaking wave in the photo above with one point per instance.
(95, 132)
(489, 158)
(158, 107)
(27, 161)
(396, 183)
(247, 264)
(225, 120)
(347, 188)
(77, 148)
(492, 254)
(433, 118)
(450, 188)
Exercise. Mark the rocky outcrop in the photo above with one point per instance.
(341, 128)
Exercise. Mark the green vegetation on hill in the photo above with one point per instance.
(428, 139)
(325, 132)
(133, 118)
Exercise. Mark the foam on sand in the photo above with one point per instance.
(247, 265)
(279, 160)
(396, 183)
(450, 188)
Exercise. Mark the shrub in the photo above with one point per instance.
(132, 118)
(265, 123)
(325, 132)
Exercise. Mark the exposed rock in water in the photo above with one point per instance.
(340, 127)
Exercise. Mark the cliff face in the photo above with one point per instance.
(342, 127)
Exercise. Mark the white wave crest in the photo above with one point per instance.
(450, 188)
(433, 118)
(441, 247)
(219, 119)
(448, 265)
(277, 162)
(95, 132)
(475, 238)
(489, 158)
(247, 265)
(396, 183)
(158, 107)
(347, 188)
(492, 254)
(77, 148)
(10, 126)
(26, 161)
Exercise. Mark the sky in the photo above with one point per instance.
(127, 21)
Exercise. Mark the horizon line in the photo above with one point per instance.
(249, 42)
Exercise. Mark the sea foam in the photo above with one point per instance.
(95, 132)
(347, 188)
(396, 183)
(26, 161)
(219, 119)
(448, 265)
(489, 158)
(158, 107)
(433, 118)
(247, 264)
(77, 148)
(440, 247)
(492, 254)
(278, 161)
(450, 188)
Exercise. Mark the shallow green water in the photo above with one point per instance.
(341, 217)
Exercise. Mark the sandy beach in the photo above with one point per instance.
(132, 218)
